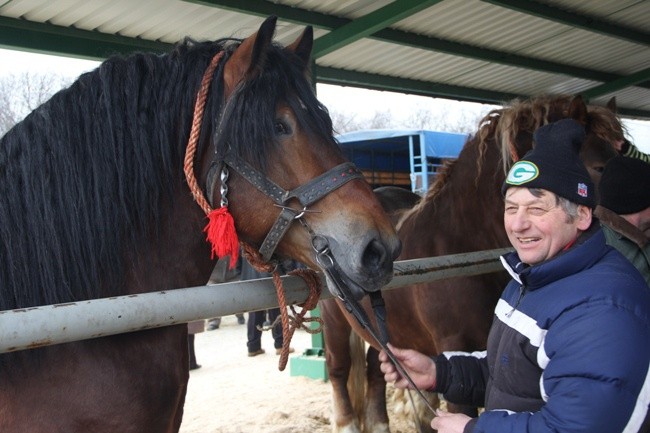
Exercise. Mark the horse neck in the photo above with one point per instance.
(465, 214)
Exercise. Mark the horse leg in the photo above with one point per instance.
(375, 412)
(129, 383)
(336, 335)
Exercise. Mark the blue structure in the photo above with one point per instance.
(401, 157)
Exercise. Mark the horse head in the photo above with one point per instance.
(518, 122)
(289, 188)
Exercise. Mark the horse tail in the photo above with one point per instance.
(407, 405)
(357, 378)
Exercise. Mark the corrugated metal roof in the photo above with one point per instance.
(479, 50)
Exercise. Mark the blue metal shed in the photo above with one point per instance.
(401, 156)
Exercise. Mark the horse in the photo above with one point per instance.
(395, 200)
(104, 191)
(461, 212)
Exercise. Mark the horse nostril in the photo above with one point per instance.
(375, 256)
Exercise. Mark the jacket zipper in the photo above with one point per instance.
(522, 291)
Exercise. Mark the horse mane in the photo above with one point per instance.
(285, 82)
(92, 169)
(511, 129)
(85, 175)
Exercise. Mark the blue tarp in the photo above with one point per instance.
(388, 149)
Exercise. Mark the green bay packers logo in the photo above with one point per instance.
(522, 172)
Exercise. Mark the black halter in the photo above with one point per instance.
(306, 194)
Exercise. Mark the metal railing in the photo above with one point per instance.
(32, 327)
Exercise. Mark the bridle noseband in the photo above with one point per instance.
(306, 194)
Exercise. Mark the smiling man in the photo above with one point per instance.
(568, 349)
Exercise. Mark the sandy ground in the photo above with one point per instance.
(232, 393)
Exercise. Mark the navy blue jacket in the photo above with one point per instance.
(568, 351)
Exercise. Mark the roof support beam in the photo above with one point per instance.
(363, 80)
(286, 13)
(591, 24)
(368, 24)
(619, 84)
(413, 40)
(50, 39)
(415, 87)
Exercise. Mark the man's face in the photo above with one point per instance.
(537, 227)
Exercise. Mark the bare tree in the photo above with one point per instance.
(463, 121)
(381, 120)
(23, 93)
(344, 122)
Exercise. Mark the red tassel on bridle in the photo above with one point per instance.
(221, 234)
(220, 230)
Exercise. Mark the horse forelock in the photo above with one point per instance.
(605, 124)
(83, 177)
(248, 123)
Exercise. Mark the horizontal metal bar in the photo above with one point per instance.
(33, 327)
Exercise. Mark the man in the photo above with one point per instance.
(624, 210)
(569, 348)
(627, 149)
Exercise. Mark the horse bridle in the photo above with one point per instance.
(306, 194)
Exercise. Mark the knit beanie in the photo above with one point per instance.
(554, 164)
(625, 185)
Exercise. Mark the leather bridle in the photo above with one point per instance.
(306, 194)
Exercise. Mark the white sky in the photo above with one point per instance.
(359, 102)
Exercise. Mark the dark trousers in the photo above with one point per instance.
(255, 319)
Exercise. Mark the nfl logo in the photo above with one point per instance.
(582, 190)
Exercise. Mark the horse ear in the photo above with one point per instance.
(248, 59)
(303, 45)
(611, 104)
(578, 110)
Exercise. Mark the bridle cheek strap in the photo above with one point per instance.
(306, 194)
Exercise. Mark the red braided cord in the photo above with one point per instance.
(199, 106)
(289, 323)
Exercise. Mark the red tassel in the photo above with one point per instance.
(222, 235)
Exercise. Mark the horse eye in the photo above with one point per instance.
(281, 128)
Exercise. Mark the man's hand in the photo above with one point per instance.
(446, 422)
(418, 366)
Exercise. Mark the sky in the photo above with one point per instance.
(360, 103)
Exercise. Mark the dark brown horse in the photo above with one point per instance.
(461, 212)
(95, 202)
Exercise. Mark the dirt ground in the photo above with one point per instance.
(232, 393)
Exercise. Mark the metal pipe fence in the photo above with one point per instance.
(32, 327)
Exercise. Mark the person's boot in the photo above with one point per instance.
(214, 323)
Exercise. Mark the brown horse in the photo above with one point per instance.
(95, 202)
(461, 212)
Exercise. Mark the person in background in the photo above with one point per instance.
(624, 210)
(193, 328)
(625, 148)
(568, 348)
(256, 319)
